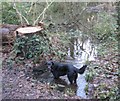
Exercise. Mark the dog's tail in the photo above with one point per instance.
(82, 69)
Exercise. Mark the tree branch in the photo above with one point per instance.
(20, 15)
(32, 3)
(43, 12)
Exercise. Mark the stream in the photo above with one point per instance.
(79, 58)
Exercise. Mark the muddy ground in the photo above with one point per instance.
(18, 82)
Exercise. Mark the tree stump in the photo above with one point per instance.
(24, 35)
(28, 30)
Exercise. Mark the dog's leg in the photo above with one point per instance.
(56, 77)
(70, 78)
(75, 79)
(55, 74)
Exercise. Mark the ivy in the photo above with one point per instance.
(31, 46)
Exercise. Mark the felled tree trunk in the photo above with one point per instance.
(7, 33)
(6, 36)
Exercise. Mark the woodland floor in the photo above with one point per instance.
(18, 83)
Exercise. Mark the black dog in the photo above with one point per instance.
(59, 69)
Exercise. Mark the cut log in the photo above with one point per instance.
(11, 27)
(4, 31)
(7, 33)
(6, 36)
(29, 30)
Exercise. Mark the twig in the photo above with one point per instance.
(32, 3)
(20, 15)
(46, 2)
(77, 22)
(14, 7)
(43, 12)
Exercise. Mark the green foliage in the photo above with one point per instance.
(56, 8)
(32, 46)
(90, 75)
(105, 27)
(105, 33)
(118, 14)
(60, 45)
(21, 12)
(9, 14)
(86, 88)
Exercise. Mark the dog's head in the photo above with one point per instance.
(85, 66)
(49, 64)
